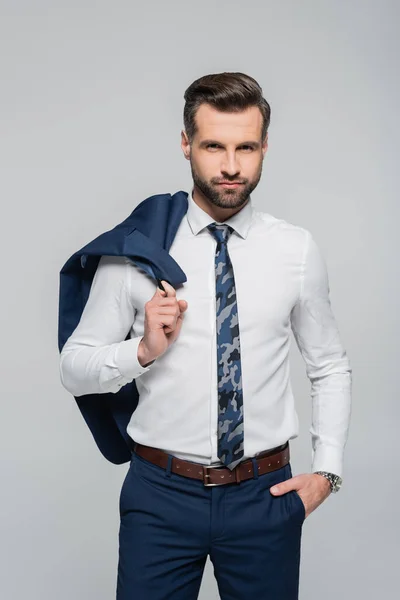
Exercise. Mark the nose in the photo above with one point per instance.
(230, 165)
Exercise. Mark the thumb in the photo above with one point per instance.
(285, 486)
(183, 305)
(277, 490)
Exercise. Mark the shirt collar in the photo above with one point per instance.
(198, 218)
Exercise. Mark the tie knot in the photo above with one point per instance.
(221, 232)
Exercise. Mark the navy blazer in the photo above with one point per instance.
(145, 237)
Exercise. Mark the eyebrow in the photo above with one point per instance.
(248, 143)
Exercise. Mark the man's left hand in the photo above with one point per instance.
(312, 488)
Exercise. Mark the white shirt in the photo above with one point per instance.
(281, 285)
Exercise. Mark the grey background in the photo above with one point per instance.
(91, 113)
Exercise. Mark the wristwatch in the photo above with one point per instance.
(333, 479)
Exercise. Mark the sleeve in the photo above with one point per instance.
(97, 358)
(327, 365)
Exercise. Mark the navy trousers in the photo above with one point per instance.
(169, 524)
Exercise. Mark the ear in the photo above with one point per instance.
(185, 144)
(265, 145)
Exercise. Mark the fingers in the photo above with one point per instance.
(172, 302)
(174, 333)
(169, 308)
(169, 289)
(168, 298)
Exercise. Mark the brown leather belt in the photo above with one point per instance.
(211, 475)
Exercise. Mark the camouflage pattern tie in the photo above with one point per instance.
(230, 396)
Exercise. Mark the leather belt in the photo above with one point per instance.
(211, 475)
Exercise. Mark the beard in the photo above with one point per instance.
(225, 197)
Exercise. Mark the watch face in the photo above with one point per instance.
(338, 483)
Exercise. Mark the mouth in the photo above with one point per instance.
(230, 185)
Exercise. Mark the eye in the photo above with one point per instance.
(245, 146)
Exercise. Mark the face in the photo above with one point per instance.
(226, 148)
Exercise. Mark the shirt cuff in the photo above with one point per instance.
(126, 359)
(328, 458)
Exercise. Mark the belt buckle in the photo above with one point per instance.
(205, 467)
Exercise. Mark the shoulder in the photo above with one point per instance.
(111, 269)
(281, 231)
(108, 261)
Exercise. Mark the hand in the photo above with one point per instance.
(163, 321)
(312, 488)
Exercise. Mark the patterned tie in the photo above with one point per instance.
(230, 396)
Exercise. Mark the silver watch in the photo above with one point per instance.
(333, 479)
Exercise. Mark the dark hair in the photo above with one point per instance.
(227, 92)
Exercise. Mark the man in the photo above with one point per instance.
(210, 473)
